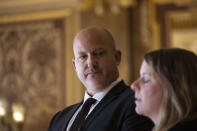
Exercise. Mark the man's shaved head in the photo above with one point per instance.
(96, 34)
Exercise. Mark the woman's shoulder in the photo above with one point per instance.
(185, 126)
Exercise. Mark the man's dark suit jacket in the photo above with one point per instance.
(115, 112)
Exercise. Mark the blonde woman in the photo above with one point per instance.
(166, 91)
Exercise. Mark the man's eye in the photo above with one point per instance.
(99, 53)
(82, 57)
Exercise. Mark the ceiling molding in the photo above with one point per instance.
(9, 7)
(177, 2)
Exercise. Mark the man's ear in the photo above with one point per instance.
(73, 62)
(118, 57)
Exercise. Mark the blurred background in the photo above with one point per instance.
(37, 78)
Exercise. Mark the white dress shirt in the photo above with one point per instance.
(98, 96)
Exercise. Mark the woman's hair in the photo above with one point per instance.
(177, 70)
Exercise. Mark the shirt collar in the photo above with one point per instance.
(99, 95)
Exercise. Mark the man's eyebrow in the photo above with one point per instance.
(99, 49)
(80, 52)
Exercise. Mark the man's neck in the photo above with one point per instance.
(92, 91)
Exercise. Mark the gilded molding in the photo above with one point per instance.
(35, 16)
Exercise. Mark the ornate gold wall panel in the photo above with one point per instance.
(182, 29)
(33, 65)
(174, 20)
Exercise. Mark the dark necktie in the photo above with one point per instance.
(80, 118)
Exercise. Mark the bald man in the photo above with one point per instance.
(96, 64)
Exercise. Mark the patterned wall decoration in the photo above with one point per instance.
(182, 29)
(32, 70)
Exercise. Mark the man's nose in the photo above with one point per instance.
(92, 62)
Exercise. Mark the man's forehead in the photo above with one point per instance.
(88, 43)
(90, 39)
(90, 50)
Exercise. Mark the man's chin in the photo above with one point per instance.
(95, 84)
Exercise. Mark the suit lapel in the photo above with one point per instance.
(113, 93)
(67, 118)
